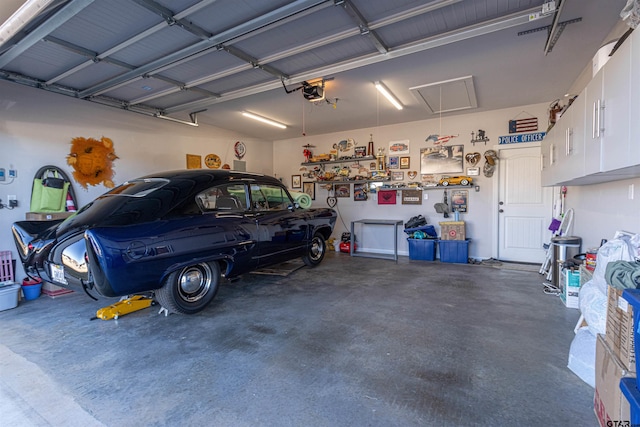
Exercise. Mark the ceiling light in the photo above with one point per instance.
(387, 94)
(263, 120)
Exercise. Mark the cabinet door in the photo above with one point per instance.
(634, 106)
(593, 119)
(574, 133)
(615, 114)
(549, 158)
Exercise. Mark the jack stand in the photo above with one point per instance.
(124, 306)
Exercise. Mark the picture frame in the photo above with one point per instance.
(399, 147)
(394, 162)
(194, 161)
(460, 201)
(296, 181)
(442, 159)
(309, 188)
(359, 192)
(342, 190)
(397, 176)
(405, 162)
(411, 197)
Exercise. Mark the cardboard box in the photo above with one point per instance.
(452, 230)
(570, 288)
(609, 404)
(619, 333)
(47, 216)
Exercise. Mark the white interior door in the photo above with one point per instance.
(524, 206)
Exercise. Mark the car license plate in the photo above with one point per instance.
(57, 273)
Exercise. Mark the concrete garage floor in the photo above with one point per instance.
(356, 341)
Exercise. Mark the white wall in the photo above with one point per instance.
(36, 129)
(603, 209)
(288, 156)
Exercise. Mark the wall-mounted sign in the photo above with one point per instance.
(523, 137)
(411, 197)
(523, 125)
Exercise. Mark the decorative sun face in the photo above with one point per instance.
(212, 161)
(92, 161)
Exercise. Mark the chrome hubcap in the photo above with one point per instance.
(194, 282)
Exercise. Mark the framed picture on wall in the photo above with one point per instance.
(405, 162)
(394, 162)
(442, 159)
(194, 161)
(342, 190)
(359, 192)
(397, 176)
(310, 189)
(296, 181)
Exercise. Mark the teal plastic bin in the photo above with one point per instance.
(456, 251)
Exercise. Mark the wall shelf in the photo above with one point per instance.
(329, 162)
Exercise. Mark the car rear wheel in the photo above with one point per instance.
(190, 289)
(316, 251)
(445, 183)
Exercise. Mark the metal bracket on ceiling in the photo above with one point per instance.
(363, 25)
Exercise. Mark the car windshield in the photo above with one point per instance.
(138, 187)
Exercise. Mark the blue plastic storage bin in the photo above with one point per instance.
(422, 249)
(633, 297)
(631, 392)
(454, 251)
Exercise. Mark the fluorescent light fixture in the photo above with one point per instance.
(387, 94)
(263, 120)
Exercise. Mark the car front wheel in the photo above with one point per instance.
(464, 182)
(190, 289)
(316, 251)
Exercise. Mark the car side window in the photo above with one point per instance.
(266, 197)
(223, 198)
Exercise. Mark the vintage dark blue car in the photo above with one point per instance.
(175, 234)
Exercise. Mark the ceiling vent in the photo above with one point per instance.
(448, 95)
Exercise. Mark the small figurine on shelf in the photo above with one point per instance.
(307, 153)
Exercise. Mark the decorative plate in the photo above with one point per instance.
(240, 149)
(212, 161)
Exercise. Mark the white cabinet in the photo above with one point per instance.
(548, 158)
(595, 140)
(593, 119)
(608, 120)
(563, 146)
(634, 91)
(617, 100)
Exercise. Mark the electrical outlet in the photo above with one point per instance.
(13, 173)
(13, 203)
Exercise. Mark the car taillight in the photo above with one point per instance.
(30, 246)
